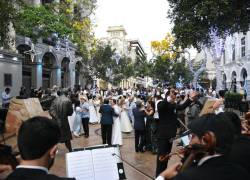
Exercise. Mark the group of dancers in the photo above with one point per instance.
(87, 111)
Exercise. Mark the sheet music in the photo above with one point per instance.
(93, 164)
(105, 163)
(80, 165)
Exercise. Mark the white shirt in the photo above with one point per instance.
(5, 98)
(34, 167)
(160, 178)
(156, 115)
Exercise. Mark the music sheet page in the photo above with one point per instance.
(105, 163)
(80, 165)
(96, 164)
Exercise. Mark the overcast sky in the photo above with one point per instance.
(145, 20)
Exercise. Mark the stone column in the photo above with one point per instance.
(37, 75)
(71, 82)
(56, 76)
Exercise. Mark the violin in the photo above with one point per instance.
(193, 152)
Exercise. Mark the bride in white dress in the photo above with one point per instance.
(116, 129)
(92, 113)
(125, 122)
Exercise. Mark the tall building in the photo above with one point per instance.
(132, 48)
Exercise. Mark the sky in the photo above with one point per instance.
(145, 20)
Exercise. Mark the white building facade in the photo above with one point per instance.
(234, 64)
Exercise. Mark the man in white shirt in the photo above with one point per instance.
(6, 98)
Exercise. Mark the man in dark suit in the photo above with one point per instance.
(107, 113)
(60, 109)
(214, 135)
(139, 126)
(37, 141)
(167, 126)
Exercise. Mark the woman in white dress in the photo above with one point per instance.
(126, 126)
(92, 113)
(98, 103)
(116, 129)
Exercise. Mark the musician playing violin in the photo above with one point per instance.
(212, 136)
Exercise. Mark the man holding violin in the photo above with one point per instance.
(211, 139)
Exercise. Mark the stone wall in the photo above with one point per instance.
(10, 63)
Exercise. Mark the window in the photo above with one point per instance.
(7, 79)
(243, 47)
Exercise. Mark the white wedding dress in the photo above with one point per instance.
(116, 129)
(92, 113)
(125, 122)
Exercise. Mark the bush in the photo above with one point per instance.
(233, 100)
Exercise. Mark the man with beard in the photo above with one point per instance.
(37, 141)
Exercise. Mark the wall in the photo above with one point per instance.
(14, 68)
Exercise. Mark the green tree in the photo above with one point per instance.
(40, 22)
(103, 61)
(62, 18)
(170, 71)
(194, 19)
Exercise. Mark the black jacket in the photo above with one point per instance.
(217, 168)
(107, 113)
(33, 174)
(167, 124)
(240, 152)
(139, 122)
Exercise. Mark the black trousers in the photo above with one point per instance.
(139, 140)
(85, 125)
(164, 147)
(106, 133)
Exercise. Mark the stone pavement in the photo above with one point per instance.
(145, 162)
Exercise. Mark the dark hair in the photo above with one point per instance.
(235, 120)
(222, 93)
(219, 125)
(152, 103)
(106, 101)
(7, 89)
(36, 136)
(114, 101)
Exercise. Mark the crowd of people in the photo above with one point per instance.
(156, 115)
